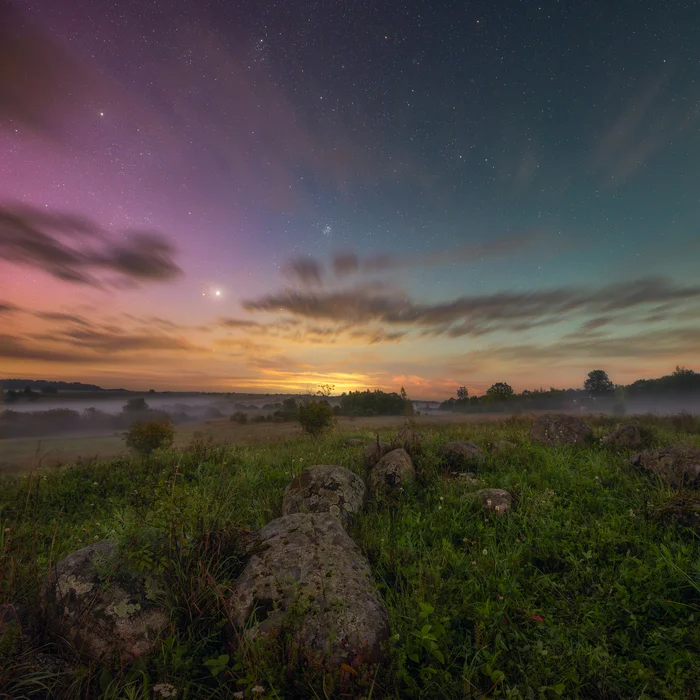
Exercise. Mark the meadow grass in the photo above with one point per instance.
(579, 592)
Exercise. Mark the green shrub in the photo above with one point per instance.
(240, 417)
(149, 435)
(316, 416)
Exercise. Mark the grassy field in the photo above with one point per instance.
(19, 455)
(579, 592)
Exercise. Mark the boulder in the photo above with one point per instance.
(102, 616)
(308, 586)
(354, 442)
(393, 471)
(560, 429)
(325, 489)
(461, 454)
(406, 439)
(495, 500)
(627, 437)
(375, 451)
(502, 447)
(677, 465)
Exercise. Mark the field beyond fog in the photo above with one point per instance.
(586, 586)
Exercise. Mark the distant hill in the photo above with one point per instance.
(39, 384)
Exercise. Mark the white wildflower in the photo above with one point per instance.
(165, 690)
(485, 552)
(257, 689)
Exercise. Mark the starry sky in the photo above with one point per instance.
(266, 196)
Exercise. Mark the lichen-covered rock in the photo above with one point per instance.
(627, 437)
(325, 489)
(307, 578)
(355, 442)
(677, 465)
(393, 471)
(560, 429)
(406, 439)
(375, 451)
(102, 615)
(495, 500)
(503, 447)
(460, 454)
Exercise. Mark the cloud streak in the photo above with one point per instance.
(74, 249)
(311, 272)
(475, 315)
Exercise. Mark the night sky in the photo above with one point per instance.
(272, 195)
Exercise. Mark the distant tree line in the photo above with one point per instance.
(597, 386)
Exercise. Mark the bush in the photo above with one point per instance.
(240, 417)
(316, 417)
(150, 435)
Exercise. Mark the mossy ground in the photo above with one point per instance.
(580, 591)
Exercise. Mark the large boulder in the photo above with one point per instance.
(494, 500)
(325, 489)
(104, 616)
(677, 465)
(560, 429)
(308, 579)
(375, 451)
(627, 437)
(394, 470)
(459, 454)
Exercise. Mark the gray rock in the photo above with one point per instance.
(627, 437)
(677, 465)
(393, 471)
(325, 489)
(461, 454)
(406, 439)
(495, 500)
(504, 447)
(560, 429)
(307, 578)
(101, 615)
(354, 442)
(375, 451)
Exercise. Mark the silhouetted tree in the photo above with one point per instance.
(136, 404)
(500, 391)
(462, 393)
(598, 383)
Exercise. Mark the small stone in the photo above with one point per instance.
(677, 465)
(374, 452)
(560, 429)
(461, 454)
(393, 471)
(496, 500)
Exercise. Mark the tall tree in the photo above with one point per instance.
(598, 383)
(462, 393)
(500, 391)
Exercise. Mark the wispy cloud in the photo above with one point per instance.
(474, 315)
(74, 249)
